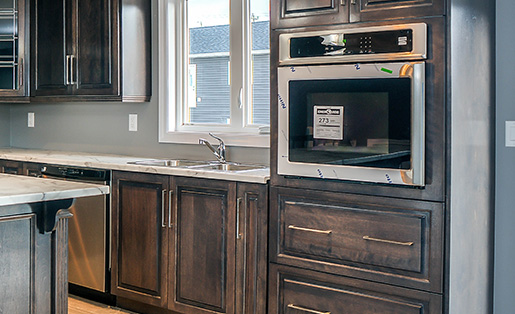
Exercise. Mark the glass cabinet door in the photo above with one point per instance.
(12, 47)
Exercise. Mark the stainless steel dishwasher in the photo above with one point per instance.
(88, 243)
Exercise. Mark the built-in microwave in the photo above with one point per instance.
(352, 104)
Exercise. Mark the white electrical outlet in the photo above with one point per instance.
(30, 119)
(133, 122)
(510, 133)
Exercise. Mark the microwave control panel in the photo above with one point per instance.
(392, 41)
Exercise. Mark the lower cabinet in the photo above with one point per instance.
(295, 290)
(354, 254)
(11, 167)
(190, 245)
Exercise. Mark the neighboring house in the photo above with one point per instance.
(209, 63)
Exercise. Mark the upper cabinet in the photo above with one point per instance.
(77, 48)
(298, 13)
(13, 41)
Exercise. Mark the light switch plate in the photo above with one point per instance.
(510, 133)
(133, 122)
(30, 119)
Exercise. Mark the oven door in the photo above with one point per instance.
(359, 122)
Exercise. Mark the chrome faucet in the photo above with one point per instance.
(219, 152)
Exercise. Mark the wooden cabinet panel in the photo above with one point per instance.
(50, 38)
(300, 13)
(14, 54)
(97, 67)
(17, 253)
(387, 240)
(205, 263)
(140, 234)
(302, 291)
(251, 249)
(294, 13)
(11, 167)
(377, 10)
(75, 48)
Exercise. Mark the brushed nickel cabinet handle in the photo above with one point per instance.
(163, 197)
(342, 2)
(300, 308)
(353, 2)
(170, 197)
(20, 78)
(73, 65)
(388, 241)
(238, 205)
(310, 229)
(68, 69)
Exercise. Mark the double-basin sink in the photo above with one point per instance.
(198, 165)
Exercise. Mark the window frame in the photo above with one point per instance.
(173, 54)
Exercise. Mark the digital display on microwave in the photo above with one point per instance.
(362, 122)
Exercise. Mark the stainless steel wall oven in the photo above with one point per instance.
(352, 104)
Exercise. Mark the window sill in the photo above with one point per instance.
(230, 139)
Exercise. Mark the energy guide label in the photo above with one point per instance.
(328, 122)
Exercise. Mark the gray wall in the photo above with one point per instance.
(504, 279)
(103, 128)
(5, 129)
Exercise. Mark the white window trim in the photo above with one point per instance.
(169, 89)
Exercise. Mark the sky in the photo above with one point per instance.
(216, 12)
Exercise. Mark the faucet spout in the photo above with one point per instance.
(219, 152)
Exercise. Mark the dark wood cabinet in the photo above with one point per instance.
(14, 54)
(141, 232)
(77, 49)
(204, 239)
(205, 265)
(298, 13)
(294, 290)
(11, 167)
(385, 240)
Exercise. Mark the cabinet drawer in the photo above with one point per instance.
(345, 233)
(296, 291)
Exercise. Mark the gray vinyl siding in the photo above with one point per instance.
(213, 92)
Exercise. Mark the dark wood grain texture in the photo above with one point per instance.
(294, 290)
(140, 234)
(205, 263)
(302, 13)
(386, 240)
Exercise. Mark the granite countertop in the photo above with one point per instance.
(117, 162)
(16, 189)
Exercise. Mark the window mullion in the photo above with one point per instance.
(238, 75)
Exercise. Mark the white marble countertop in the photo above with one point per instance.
(117, 162)
(22, 189)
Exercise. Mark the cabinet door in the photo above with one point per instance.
(50, 36)
(12, 49)
(295, 290)
(140, 235)
(251, 248)
(96, 52)
(296, 13)
(378, 10)
(204, 270)
(11, 167)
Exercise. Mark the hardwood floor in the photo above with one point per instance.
(77, 305)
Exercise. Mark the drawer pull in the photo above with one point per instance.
(300, 308)
(310, 230)
(387, 241)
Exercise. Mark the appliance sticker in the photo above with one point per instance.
(328, 122)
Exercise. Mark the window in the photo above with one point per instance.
(214, 70)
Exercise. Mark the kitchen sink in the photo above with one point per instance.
(195, 164)
(168, 162)
(229, 167)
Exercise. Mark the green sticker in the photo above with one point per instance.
(387, 70)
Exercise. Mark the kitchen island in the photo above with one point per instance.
(34, 242)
